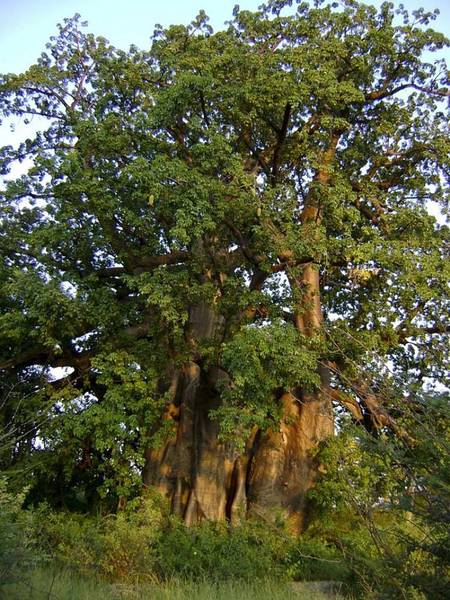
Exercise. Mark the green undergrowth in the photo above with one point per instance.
(144, 552)
(50, 584)
(145, 546)
(144, 543)
(129, 549)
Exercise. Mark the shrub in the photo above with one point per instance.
(384, 505)
(144, 543)
(214, 551)
(16, 545)
(118, 546)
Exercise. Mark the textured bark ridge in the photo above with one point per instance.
(206, 479)
(283, 468)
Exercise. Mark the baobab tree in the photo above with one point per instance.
(225, 243)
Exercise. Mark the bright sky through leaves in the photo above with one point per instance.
(26, 25)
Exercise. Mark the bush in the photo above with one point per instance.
(383, 504)
(144, 543)
(115, 547)
(313, 559)
(216, 552)
(17, 551)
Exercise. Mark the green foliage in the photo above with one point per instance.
(261, 363)
(161, 179)
(384, 503)
(214, 552)
(369, 547)
(314, 559)
(17, 552)
(144, 544)
(114, 547)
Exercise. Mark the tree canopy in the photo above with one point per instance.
(247, 207)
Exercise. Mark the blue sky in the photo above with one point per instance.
(26, 25)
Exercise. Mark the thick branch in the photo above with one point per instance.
(152, 262)
(348, 402)
(280, 140)
(385, 92)
(413, 331)
(34, 355)
(369, 410)
(379, 416)
(145, 263)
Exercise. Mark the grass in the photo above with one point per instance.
(45, 584)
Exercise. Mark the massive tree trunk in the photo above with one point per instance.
(204, 478)
(283, 468)
(193, 469)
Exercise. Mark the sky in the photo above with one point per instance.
(26, 25)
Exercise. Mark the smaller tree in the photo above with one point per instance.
(384, 501)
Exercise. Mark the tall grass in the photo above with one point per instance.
(47, 584)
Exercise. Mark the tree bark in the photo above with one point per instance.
(205, 479)
(201, 476)
(284, 467)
